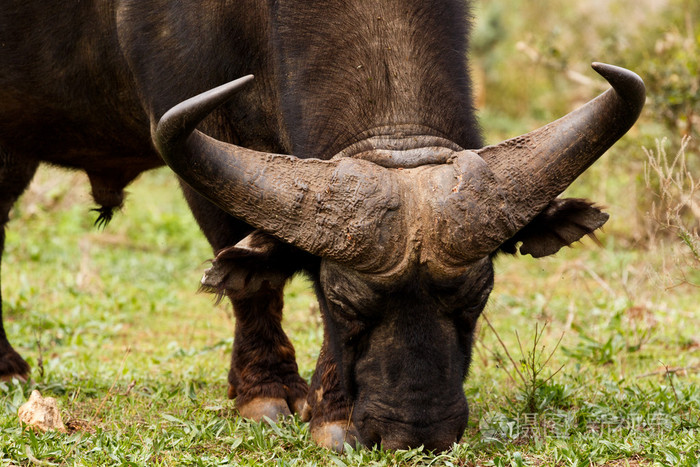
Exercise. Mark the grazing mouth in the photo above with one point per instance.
(381, 413)
(396, 434)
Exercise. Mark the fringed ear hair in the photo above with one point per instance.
(562, 223)
(239, 271)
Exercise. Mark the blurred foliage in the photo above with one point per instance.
(670, 63)
(530, 63)
(534, 62)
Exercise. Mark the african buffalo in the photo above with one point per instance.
(351, 156)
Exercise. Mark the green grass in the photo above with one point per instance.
(113, 327)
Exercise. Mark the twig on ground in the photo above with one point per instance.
(104, 400)
(40, 359)
(34, 460)
(111, 388)
(506, 350)
(671, 371)
(669, 377)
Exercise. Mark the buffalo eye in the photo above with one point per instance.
(349, 295)
(465, 296)
(342, 307)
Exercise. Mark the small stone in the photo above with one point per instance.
(41, 413)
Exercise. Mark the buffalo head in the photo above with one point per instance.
(406, 233)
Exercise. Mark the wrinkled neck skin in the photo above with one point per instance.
(383, 74)
(382, 80)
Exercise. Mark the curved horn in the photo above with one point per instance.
(535, 168)
(336, 209)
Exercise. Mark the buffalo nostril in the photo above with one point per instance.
(372, 439)
(427, 445)
(430, 443)
(432, 431)
(436, 438)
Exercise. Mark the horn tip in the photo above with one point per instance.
(605, 69)
(178, 122)
(228, 88)
(244, 79)
(628, 84)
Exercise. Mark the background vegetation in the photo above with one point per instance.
(590, 357)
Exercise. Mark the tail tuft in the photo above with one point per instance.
(104, 217)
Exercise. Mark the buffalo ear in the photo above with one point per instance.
(563, 222)
(241, 270)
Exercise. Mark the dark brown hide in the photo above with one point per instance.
(392, 68)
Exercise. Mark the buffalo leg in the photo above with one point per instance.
(264, 377)
(327, 406)
(15, 175)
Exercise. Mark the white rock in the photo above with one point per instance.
(41, 413)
